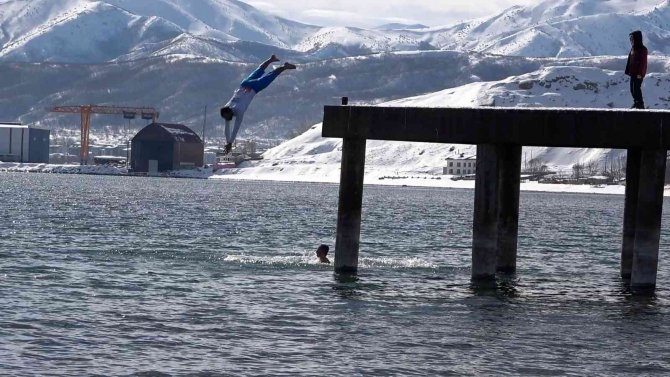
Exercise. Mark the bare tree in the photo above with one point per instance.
(577, 171)
(592, 167)
(536, 165)
(615, 168)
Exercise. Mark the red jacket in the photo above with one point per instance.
(637, 62)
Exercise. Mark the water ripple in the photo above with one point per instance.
(158, 277)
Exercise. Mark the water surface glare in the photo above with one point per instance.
(142, 276)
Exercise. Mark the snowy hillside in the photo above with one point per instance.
(40, 30)
(342, 41)
(95, 31)
(311, 157)
(181, 87)
(90, 31)
(221, 19)
(552, 86)
(565, 28)
(552, 28)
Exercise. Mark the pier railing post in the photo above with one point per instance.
(509, 178)
(630, 211)
(350, 205)
(648, 220)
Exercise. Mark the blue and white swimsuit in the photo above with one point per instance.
(243, 96)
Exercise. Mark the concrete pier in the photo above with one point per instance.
(648, 220)
(496, 210)
(485, 222)
(500, 134)
(630, 211)
(350, 206)
(509, 176)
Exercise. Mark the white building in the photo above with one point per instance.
(460, 166)
(19, 143)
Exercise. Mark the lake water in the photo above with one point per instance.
(142, 276)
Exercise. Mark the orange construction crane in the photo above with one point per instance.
(86, 111)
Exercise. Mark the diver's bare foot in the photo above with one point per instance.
(289, 66)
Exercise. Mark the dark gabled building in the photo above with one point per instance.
(162, 147)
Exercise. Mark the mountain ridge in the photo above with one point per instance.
(97, 31)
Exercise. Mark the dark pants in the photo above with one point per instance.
(636, 91)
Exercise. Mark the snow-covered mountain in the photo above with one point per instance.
(552, 28)
(221, 19)
(75, 31)
(181, 56)
(563, 28)
(95, 31)
(343, 41)
(91, 31)
(181, 87)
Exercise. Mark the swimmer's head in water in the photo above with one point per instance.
(322, 250)
(322, 253)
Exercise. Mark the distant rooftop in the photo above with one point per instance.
(176, 132)
(469, 157)
(12, 125)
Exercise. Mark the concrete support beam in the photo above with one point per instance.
(630, 211)
(555, 127)
(350, 206)
(485, 221)
(509, 186)
(496, 215)
(648, 220)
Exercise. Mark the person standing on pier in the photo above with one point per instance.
(636, 68)
(242, 97)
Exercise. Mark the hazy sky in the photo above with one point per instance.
(366, 13)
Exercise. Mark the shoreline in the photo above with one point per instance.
(454, 185)
(425, 181)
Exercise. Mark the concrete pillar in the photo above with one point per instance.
(496, 216)
(485, 221)
(509, 185)
(350, 205)
(648, 220)
(630, 211)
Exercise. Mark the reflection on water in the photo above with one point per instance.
(347, 285)
(128, 276)
(503, 287)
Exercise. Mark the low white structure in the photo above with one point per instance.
(460, 166)
(19, 143)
